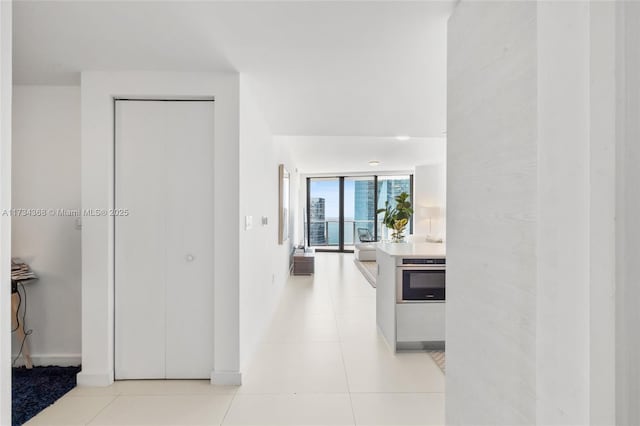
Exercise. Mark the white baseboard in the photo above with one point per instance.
(226, 378)
(60, 360)
(95, 379)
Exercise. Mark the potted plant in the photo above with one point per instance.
(396, 218)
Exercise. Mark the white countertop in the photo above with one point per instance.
(433, 250)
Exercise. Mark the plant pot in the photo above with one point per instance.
(397, 236)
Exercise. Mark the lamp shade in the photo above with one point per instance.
(432, 212)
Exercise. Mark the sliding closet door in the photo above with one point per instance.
(164, 246)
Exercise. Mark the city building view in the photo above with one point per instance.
(317, 228)
(365, 205)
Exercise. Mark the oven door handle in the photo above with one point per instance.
(423, 268)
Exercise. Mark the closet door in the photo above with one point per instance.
(164, 247)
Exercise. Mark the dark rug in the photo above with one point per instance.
(36, 389)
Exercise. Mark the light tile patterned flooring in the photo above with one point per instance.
(322, 362)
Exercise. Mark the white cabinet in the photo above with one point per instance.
(420, 322)
(405, 322)
(164, 244)
(386, 297)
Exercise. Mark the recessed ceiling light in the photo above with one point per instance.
(403, 137)
(374, 163)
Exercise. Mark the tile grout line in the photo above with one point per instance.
(229, 407)
(344, 364)
(102, 409)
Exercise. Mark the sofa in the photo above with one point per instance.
(365, 252)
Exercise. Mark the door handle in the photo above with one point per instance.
(189, 258)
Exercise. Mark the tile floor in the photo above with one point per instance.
(322, 362)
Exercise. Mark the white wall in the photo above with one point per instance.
(491, 211)
(5, 203)
(46, 174)
(97, 91)
(429, 191)
(264, 264)
(628, 227)
(531, 137)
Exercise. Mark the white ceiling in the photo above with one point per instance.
(339, 155)
(317, 68)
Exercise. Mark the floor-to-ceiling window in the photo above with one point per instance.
(341, 211)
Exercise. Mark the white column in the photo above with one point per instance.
(541, 99)
(628, 214)
(5, 203)
(563, 302)
(602, 180)
(491, 214)
(576, 239)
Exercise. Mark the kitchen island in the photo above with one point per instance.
(412, 315)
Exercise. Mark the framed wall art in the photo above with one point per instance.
(283, 205)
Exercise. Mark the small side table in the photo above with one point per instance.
(304, 261)
(19, 328)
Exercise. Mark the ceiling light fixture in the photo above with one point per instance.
(374, 163)
(403, 137)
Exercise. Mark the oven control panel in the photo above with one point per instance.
(423, 261)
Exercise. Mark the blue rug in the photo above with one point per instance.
(36, 389)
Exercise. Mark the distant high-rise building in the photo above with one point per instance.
(388, 190)
(317, 235)
(365, 207)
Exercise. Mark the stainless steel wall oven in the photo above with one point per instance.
(421, 279)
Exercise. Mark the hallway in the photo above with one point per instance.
(321, 363)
